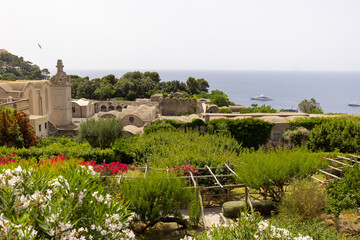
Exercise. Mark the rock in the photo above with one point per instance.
(232, 209)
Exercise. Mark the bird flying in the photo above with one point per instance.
(39, 46)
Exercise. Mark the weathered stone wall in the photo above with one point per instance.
(177, 106)
(106, 106)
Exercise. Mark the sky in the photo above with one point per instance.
(266, 35)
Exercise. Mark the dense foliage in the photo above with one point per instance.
(48, 148)
(216, 97)
(310, 106)
(27, 70)
(249, 132)
(270, 171)
(156, 197)
(100, 133)
(342, 133)
(344, 194)
(224, 110)
(250, 227)
(307, 122)
(169, 149)
(58, 199)
(15, 129)
(258, 109)
(132, 85)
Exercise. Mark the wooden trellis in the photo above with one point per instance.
(335, 172)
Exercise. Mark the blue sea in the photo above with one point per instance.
(333, 90)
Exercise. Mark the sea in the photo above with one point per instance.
(333, 90)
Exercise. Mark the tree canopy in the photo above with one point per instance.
(13, 67)
(310, 106)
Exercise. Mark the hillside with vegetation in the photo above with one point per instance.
(13, 67)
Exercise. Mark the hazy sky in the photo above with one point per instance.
(185, 34)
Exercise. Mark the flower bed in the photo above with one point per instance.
(58, 199)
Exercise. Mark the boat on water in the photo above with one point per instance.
(262, 97)
(354, 104)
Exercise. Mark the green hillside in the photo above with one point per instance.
(13, 67)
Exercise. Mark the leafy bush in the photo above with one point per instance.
(58, 200)
(305, 200)
(298, 136)
(15, 129)
(224, 110)
(336, 133)
(73, 150)
(100, 133)
(256, 109)
(344, 194)
(159, 127)
(307, 122)
(248, 132)
(156, 197)
(169, 149)
(270, 171)
(310, 106)
(249, 227)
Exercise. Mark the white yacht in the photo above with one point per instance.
(262, 97)
(354, 104)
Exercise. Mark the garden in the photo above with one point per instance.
(106, 187)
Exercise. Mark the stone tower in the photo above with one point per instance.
(60, 91)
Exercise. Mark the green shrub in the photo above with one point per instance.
(224, 110)
(156, 196)
(159, 127)
(169, 149)
(256, 109)
(298, 136)
(344, 194)
(306, 199)
(340, 133)
(306, 122)
(83, 150)
(100, 133)
(248, 132)
(270, 171)
(310, 106)
(249, 227)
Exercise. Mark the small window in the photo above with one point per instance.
(45, 125)
(73, 109)
(39, 128)
(131, 119)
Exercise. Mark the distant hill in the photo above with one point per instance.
(13, 67)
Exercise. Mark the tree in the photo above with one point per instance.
(16, 130)
(100, 133)
(196, 86)
(310, 106)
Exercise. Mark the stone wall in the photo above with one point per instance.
(177, 106)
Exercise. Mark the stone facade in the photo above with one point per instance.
(82, 108)
(61, 106)
(177, 106)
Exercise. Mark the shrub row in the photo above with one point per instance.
(249, 132)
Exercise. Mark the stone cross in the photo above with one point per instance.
(60, 66)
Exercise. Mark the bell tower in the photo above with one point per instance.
(60, 90)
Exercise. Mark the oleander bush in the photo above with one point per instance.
(158, 197)
(249, 227)
(168, 149)
(270, 171)
(58, 199)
